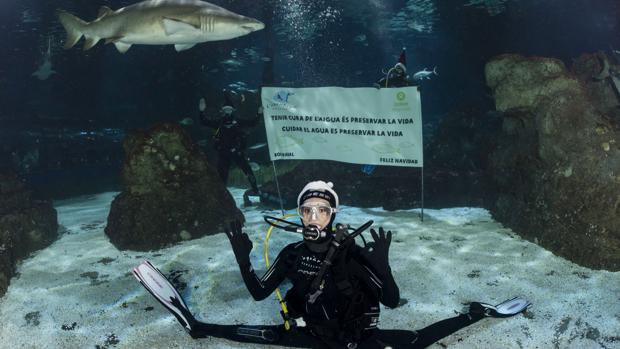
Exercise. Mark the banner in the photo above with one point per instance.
(356, 125)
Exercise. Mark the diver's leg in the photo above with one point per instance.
(244, 165)
(272, 335)
(223, 165)
(242, 162)
(416, 339)
(476, 312)
(441, 329)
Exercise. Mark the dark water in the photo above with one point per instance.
(73, 121)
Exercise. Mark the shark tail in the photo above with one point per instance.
(73, 26)
(435, 70)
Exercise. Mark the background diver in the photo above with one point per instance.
(397, 75)
(343, 311)
(230, 143)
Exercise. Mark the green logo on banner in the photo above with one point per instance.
(400, 96)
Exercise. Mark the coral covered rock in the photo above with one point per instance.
(171, 192)
(557, 166)
(26, 225)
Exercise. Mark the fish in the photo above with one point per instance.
(254, 166)
(182, 23)
(425, 74)
(186, 121)
(257, 146)
(29, 17)
(44, 71)
(232, 63)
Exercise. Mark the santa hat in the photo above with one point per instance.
(402, 60)
(319, 189)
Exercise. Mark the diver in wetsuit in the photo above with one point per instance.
(336, 289)
(397, 75)
(230, 143)
(343, 312)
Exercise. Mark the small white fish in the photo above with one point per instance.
(425, 74)
(254, 166)
(232, 62)
(44, 71)
(29, 17)
(360, 38)
(266, 59)
(257, 146)
(187, 121)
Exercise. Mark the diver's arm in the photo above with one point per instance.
(382, 281)
(263, 287)
(208, 122)
(376, 257)
(390, 294)
(242, 246)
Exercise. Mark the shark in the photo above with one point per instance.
(44, 71)
(425, 73)
(182, 23)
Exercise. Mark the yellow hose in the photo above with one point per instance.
(287, 325)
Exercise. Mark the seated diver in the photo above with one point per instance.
(229, 141)
(343, 312)
(397, 75)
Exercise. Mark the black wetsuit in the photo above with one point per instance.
(230, 144)
(395, 79)
(345, 315)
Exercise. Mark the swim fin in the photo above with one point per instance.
(158, 285)
(368, 169)
(506, 308)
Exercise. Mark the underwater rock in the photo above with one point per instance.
(596, 71)
(169, 187)
(556, 162)
(519, 82)
(26, 225)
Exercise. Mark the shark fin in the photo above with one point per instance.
(173, 26)
(122, 47)
(104, 11)
(183, 47)
(90, 42)
(114, 39)
(74, 27)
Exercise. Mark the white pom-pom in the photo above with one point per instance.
(330, 184)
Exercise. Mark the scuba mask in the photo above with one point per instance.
(314, 212)
(227, 110)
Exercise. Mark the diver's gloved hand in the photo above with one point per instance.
(377, 252)
(240, 243)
